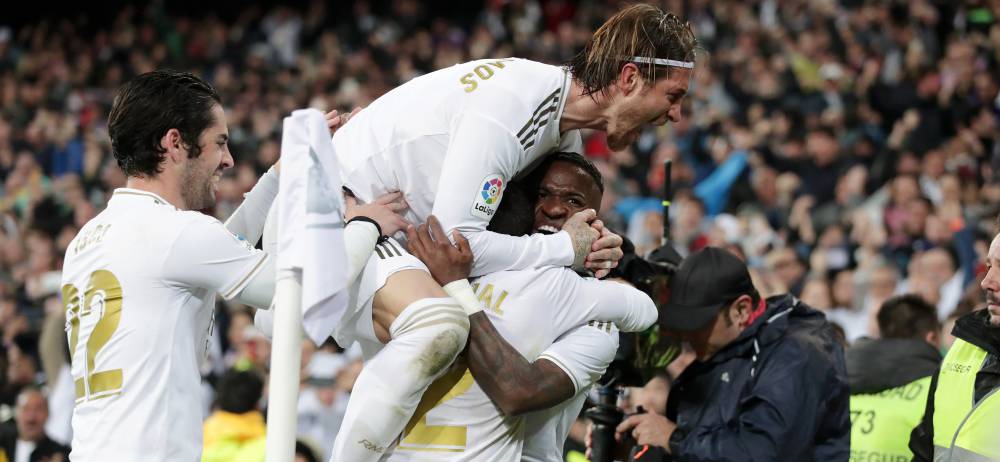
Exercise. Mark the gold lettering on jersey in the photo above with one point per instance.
(484, 72)
(470, 84)
(71, 300)
(420, 436)
(500, 299)
(486, 297)
(92, 237)
(102, 297)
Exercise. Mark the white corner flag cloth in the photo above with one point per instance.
(310, 221)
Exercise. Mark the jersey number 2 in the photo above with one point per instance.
(101, 298)
(418, 435)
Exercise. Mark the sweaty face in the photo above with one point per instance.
(201, 175)
(991, 283)
(565, 190)
(646, 104)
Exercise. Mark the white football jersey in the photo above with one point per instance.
(589, 348)
(139, 286)
(456, 421)
(452, 139)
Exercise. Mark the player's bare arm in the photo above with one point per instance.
(511, 381)
(515, 384)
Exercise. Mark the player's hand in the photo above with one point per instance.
(385, 210)
(581, 234)
(648, 428)
(447, 262)
(606, 252)
(335, 120)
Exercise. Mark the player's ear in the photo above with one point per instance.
(628, 78)
(173, 146)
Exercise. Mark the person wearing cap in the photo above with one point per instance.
(769, 383)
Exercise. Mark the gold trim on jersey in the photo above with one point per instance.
(563, 366)
(133, 192)
(253, 271)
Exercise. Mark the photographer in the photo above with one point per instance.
(767, 386)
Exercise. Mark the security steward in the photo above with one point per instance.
(962, 419)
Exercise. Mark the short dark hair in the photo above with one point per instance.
(149, 105)
(239, 391)
(907, 316)
(637, 31)
(535, 178)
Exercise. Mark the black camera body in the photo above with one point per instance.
(638, 353)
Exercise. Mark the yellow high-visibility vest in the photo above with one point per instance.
(963, 430)
(881, 422)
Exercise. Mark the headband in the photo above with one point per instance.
(663, 62)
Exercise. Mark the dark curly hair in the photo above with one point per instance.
(149, 105)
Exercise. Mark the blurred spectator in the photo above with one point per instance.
(22, 370)
(890, 377)
(24, 439)
(322, 403)
(235, 431)
(789, 270)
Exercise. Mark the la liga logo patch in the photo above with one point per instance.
(491, 190)
(488, 198)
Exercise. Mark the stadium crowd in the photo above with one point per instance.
(848, 151)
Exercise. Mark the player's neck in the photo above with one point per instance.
(583, 111)
(161, 187)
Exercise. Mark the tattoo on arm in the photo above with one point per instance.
(581, 245)
(513, 383)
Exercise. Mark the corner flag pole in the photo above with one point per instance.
(286, 356)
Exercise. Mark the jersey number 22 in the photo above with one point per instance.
(102, 298)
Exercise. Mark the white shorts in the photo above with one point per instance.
(389, 257)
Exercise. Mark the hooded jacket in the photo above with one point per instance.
(778, 392)
(875, 365)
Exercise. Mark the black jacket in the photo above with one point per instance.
(875, 365)
(777, 393)
(974, 328)
(44, 448)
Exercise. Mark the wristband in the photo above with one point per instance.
(461, 291)
(368, 220)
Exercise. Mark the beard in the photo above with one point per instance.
(623, 130)
(993, 307)
(196, 187)
(618, 141)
